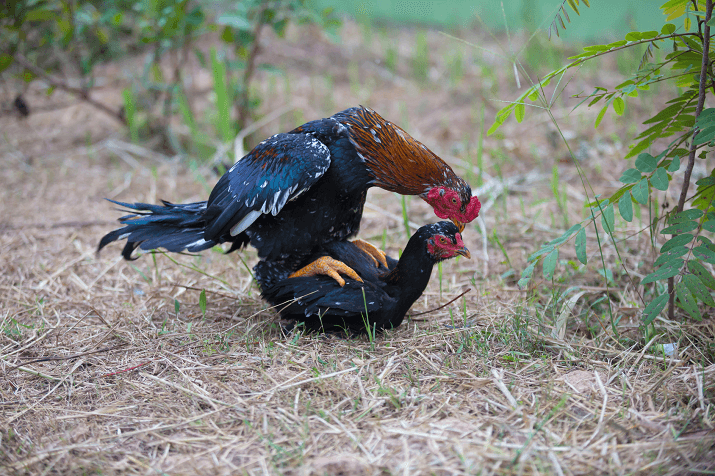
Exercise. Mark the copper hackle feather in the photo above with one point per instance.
(399, 162)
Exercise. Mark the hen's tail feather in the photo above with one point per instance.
(174, 227)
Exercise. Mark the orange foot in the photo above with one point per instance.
(328, 266)
(377, 255)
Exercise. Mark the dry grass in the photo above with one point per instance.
(101, 375)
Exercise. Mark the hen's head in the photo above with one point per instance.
(443, 241)
(460, 208)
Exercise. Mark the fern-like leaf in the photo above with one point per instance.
(558, 18)
(647, 54)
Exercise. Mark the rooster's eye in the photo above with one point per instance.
(454, 200)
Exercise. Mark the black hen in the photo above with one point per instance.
(299, 191)
(384, 296)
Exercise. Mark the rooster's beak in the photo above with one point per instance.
(464, 252)
(459, 224)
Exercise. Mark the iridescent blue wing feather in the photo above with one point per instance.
(275, 172)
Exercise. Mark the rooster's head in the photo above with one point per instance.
(460, 208)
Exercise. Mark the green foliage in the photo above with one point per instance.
(41, 38)
(687, 128)
(202, 302)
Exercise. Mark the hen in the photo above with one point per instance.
(296, 192)
(384, 296)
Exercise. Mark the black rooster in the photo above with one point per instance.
(384, 295)
(296, 192)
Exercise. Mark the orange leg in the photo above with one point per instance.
(377, 255)
(330, 267)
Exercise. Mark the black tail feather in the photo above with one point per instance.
(174, 227)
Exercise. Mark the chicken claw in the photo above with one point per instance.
(377, 255)
(330, 267)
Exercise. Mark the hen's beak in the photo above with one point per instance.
(464, 252)
(459, 224)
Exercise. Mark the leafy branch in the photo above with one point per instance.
(685, 256)
(82, 93)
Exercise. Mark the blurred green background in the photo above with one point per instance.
(602, 20)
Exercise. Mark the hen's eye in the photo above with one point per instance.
(454, 200)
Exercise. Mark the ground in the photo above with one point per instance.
(113, 367)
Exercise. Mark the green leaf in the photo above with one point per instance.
(581, 246)
(606, 273)
(654, 308)
(709, 226)
(664, 272)
(598, 205)
(679, 240)
(674, 165)
(633, 36)
(706, 117)
(698, 289)
(668, 29)
(519, 112)
(596, 48)
(625, 207)
(619, 105)
(545, 249)
(704, 136)
(561, 239)
(701, 273)
(659, 179)
(670, 255)
(640, 191)
(680, 227)
(500, 118)
(572, 4)
(526, 275)
(177, 305)
(711, 22)
(599, 118)
(639, 147)
(630, 176)
(550, 264)
(687, 300)
(705, 253)
(646, 163)
(202, 302)
(608, 219)
(619, 193)
(686, 215)
(5, 62)
(665, 114)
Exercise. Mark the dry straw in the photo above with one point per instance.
(101, 374)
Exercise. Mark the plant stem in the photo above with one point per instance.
(243, 102)
(693, 147)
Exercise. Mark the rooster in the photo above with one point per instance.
(296, 192)
(383, 297)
